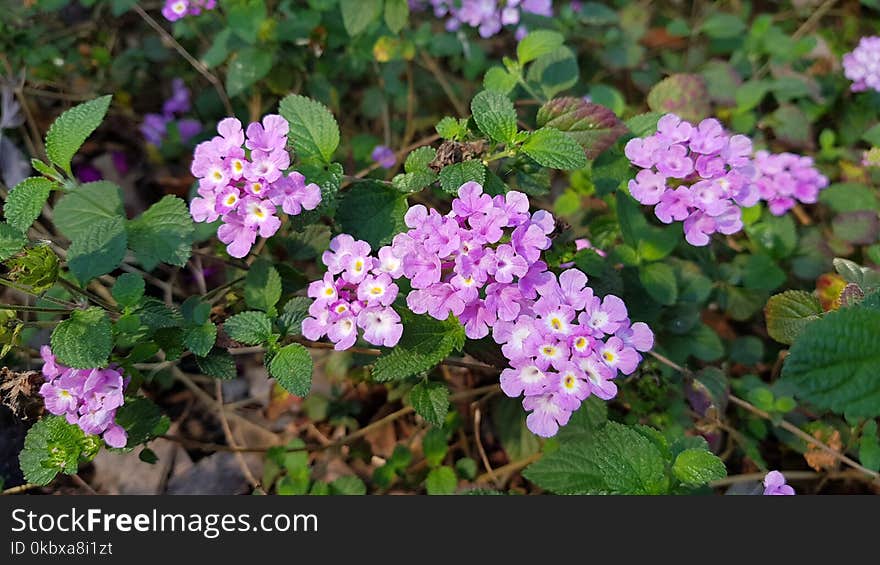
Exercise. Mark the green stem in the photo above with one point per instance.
(29, 292)
(22, 308)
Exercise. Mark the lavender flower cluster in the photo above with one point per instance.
(356, 292)
(774, 485)
(703, 175)
(177, 9)
(244, 187)
(88, 398)
(482, 263)
(487, 16)
(862, 65)
(155, 126)
(785, 178)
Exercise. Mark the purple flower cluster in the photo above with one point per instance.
(862, 65)
(487, 16)
(785, 178)
(244, 185)
(177, 9)
(482, 263)
(774, 485)
(88, 398)
(155, 126)
(699, 174)
(384, 156)
(356, 292)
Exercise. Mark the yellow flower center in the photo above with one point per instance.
(608, 356)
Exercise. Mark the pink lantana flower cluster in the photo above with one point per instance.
(785, 178)
(356, 292)
(177, 9)
(697, 174)
(88, 398)
(862, 65)
(242, 181)
(487, 16)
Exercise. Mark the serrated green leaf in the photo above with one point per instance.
(697, 467)
(424, 343)
(617, 459)
(867, 278)
(849, 197)
(372, 212)
(643, 125)
(682, 94)
(292, 368)
(84, 340)
(834, 362)
(251, 328)
(659, 281)
(357, 15)
(349, 484)
(552, 148)
(555, 72)
(262, 287)
(413, 182)
(419, 159)
(142, 420)
(595, 128)
(11, 241)
(396, 14)
(294, 312)
(77, 211)
(452, 128)
(441, 480)
(430, 400)
(26, 200)
(435, 446)
(164, 233)
(457, 174)
(495, 115)
(51, 446)
(313, 128)
(70, 130)
(128, 290)
(98, 251)
(218, 364)
(762, 273)
(247, 67)
(537, 44)
(156, 315)
(200, 339)
(789, 313)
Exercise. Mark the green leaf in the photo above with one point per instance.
(78, 210)
(509, 426)
(643, 125)
(142, 420)
(26, 200)
(616, 459)
(869, 446)
(218, 364)
(430, 400)
(247, 67)
(722, 25)
(457, 174)
(498, 79)
(349, 484)
(833, 364)
(128, 290)
(262, 287)
(294, 312)
(244, 18)
(99, 251)
(313, 128)
(750, 94)
(555, 72)
(659, 280)
(292, 368)
(251, 327)
(595, 128)
(762, 273)
(200, 339)
(424, 343)
(697, 467)
(51, 446)
(372, 212)
(413, 182)
(164, 233)
(867, 278)
(652, 242)
(495, 115)
(70, 130)
(682, 94)
(872, 136)
(84, 340)
(396, 14)
(552, 148)
(419, 159)
(537, 44)
(434, 446)
(11, 241)
(441, 480)
(357, 15)
(451, 128)
(849, 197)
(789, 313)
